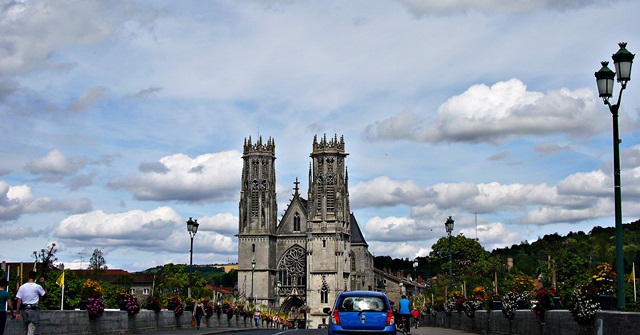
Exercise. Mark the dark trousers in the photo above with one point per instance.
(407, 321)
(3, 321)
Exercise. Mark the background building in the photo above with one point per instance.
(316, 250)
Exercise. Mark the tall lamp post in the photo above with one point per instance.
(448, 225)
(192, 228)
(623, 60)
(415, 274)
(253, 267)
(278, 286)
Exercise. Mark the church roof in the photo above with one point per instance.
(356, 234)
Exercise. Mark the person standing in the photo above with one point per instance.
(405, 311)
(5, 301)
(28, 300)
(256, 317)
(199, 312)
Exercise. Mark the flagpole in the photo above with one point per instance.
(62, 300)
(634, 281)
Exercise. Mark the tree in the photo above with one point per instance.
(45, 259)
(97, 261)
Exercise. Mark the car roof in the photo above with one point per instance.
(362, 293)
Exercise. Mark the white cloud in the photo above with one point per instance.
(495, 114)
(422, 8)
(18, 200)
(55, 166)
(158, 230)
(208, 177)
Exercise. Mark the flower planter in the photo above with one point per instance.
(557, 304)
(606, 301)
(83, 305)
(496, 305)
(171, 306)
(522, 304)
(122, 305)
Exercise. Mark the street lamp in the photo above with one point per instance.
(448, 225)
(415, 274)
(623, 60)
(253, 267)
(278, 286)
(192, 228)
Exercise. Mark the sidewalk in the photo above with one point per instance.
(208, 331)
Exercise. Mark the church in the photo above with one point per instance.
(300, 264)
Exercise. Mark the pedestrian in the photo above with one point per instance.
(199, 312)
(28, 299)
(405, 312)
(256, 317)
(5, 301)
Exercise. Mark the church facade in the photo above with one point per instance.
(300, 263)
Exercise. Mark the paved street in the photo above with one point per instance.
(193, 331)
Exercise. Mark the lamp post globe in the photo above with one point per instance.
(623, 61)
(448, 226)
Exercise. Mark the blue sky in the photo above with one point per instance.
(120, 120)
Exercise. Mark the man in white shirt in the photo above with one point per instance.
(28, 299)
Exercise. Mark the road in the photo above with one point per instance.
(261, 331)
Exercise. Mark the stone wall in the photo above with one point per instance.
(118, 322)
(556, 322)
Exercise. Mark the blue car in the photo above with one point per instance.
(360, 312)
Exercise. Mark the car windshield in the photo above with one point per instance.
(359, 304)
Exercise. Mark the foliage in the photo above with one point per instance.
(510, 304)
(95, 307)
(471, 306)
(131, 304)
(584, 304)
(154, 303)
(603, 276)
(522, 283)
(92, 289)
(543, 301)
(480, 293)
(178, 308)
(97, 261)
(44, 259)
(208, 309)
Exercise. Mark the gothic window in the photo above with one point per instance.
(296, 222)
(292, 271)
(324, 291)
(253, 247)
(353, 264)
(331, 193)
(254, 198)
(324, 243)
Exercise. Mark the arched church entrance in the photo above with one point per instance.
(292, 279)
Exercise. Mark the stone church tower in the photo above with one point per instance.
(300, 264)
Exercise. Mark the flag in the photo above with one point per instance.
(6, 277)
(632, 277)
(60, 280)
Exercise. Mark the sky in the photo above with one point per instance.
(122, 119)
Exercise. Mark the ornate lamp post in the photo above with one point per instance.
(623, 60)
(448, 225)
(278, 286)
(192, 228)
(253, 267)
(415, 274)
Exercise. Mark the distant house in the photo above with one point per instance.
(140, 284)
